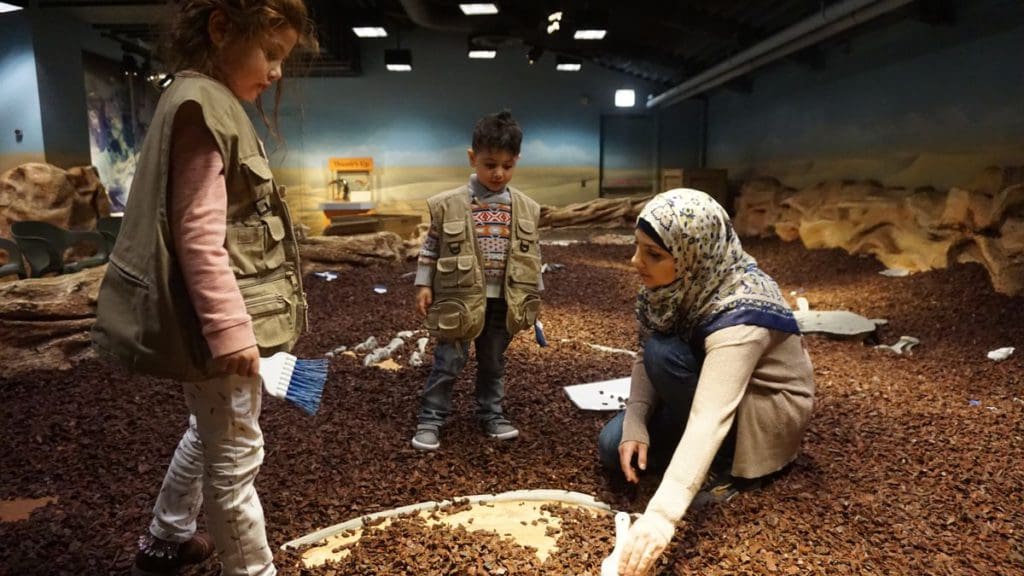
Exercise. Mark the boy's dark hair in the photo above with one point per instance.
(498, 132)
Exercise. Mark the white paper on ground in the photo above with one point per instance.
(1000, 354)
(604, 395)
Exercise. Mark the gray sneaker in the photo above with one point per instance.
(500, 429)
(426, 438)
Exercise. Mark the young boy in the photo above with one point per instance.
(478, 279)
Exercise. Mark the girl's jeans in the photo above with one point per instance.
(674, 370)
(215, 465)
(449, 360)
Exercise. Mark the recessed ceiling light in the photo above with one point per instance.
(568, 64)
(370, 31)
(479, 9)
(590, 34)
(483, 54)
(625, 98)
(5, 7)
(398, 60)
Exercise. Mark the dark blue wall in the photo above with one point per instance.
(19, 93)
(906, 103)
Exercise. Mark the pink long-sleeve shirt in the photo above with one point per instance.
(198, 214)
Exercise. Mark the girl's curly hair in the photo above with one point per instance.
(187, 44)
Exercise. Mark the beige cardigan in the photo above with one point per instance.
(764, 377)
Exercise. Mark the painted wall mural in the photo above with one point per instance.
(120, 108)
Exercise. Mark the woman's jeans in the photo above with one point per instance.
(673, 370)
(449, 360)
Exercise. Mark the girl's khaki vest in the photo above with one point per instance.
(144, 316)
(460, 294)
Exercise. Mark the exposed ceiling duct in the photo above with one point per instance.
(829, 22)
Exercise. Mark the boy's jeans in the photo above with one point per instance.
(215, 465)
(449, 360)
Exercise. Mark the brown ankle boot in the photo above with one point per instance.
(158, 557)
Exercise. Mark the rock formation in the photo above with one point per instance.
(915, 230)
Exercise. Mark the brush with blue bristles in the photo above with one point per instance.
(298, 381)
(538, 334)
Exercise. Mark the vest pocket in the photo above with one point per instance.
(523, 315)
(524, 270)
(447, 318)
(456, 271)
(526, 237)
(273, 307)
(256, 248)
(454, 236)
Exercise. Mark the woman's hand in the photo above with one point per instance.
(645, 542)
(245, 362)
(424, 298)
(626, 451)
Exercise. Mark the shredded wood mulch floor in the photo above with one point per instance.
(913, 464)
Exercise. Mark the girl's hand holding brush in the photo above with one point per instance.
(245, 362)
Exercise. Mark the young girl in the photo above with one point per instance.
(204, 277)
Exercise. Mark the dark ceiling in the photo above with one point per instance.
(664, 42)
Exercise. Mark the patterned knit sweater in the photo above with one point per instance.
(492, 218)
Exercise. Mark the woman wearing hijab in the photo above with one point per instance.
(722, 377)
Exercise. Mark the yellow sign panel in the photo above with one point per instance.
(350, 164)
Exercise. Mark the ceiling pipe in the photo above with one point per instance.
(807, 32)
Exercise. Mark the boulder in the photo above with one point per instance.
(72, 199)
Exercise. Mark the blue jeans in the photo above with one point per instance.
(449, 360)
(674, 370)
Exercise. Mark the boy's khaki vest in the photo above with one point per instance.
(460, 297)
(144, 316)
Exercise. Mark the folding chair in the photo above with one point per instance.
(43, 245)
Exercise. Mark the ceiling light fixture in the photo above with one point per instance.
(625, 98)
(568, 64)
(554, 22)
(479, 9)
(590, 34)
(5, 7)
(370, 31)
(398, 60)
(482, 54)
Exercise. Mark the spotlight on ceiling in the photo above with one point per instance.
(534, 54)
(370, 31)
(568, 64)
(590, 34)
(479, 54)
(554, 22)
(398, 60)
(5, 7)
(625, 98)
(480, 9)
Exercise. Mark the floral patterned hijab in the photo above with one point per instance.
(717, 284)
